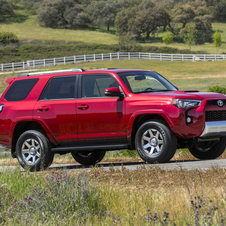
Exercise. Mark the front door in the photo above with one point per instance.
(100, 117)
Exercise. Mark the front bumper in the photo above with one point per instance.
(214, 129)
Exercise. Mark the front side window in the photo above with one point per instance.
(59, 88)
(20, 89)
(95, 85)
(145, 81)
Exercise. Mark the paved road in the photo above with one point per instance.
(191, 164)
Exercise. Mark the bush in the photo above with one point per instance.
(8, 37)
(217, 89)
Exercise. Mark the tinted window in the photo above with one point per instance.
(95, 85)
(59, 88)
(19, 90)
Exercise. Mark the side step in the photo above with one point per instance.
(109, 147)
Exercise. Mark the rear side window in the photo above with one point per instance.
(19, 90)
(59, 88)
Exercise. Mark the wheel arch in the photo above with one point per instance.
(139, 120)
(20, 128)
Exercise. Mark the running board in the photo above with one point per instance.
(90, 148)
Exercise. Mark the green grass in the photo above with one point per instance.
(145, 196)
(185, 75)
(26, 27)
(156, 40)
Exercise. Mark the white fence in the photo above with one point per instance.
(111, 56)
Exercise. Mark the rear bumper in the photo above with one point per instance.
(214, 129)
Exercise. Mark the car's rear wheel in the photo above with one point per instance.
(155, 142)
(88, 158)
(33, 150)
(208, 149)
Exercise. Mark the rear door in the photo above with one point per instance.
(57, 108)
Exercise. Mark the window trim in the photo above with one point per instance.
(97, 74)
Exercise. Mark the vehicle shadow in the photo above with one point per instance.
(106, 165)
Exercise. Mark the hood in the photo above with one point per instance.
(186, 94)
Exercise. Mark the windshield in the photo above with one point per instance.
(145, 81)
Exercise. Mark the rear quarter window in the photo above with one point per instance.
(19, 90)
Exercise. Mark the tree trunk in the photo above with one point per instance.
(148, 35)
(108, 26)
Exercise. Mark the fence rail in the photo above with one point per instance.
(111, 56)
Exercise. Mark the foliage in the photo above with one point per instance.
(31, 4)
(55, 198)
(189, 34)
(103, 12)
(167, 38)
(8, 37)
(217, 89)
(14, 3)
(6, 8)
(194, 12)
(183, 13)
(126, 42)
(218, 9)
(143, 19)
(61, 14)
(217, 40)
(53, 49)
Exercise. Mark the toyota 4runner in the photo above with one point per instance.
(90, 112)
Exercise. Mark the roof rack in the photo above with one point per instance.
(50, 72)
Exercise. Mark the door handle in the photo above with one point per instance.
(43, 108)
(83, 107)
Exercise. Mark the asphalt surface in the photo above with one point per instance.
(189, 165)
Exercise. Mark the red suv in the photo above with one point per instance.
(90, 112)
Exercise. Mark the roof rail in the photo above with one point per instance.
(50, 72)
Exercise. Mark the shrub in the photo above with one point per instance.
(217, 89)
(8, 37)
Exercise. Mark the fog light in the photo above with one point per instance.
(188, 119)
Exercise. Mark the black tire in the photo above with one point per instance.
(155, 142)
(88, 158)
(208, 149)
(33, 150)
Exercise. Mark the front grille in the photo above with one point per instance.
(214, 102)
(215, 115)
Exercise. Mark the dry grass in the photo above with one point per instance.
(134, 195)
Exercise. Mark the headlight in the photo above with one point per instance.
(184, 104)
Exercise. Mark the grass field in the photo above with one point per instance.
(26, 27)
(146, 196)
(207, 47)
(185, 75)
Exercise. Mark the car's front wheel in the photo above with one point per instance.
(208, 149)
(155, 142)
(88, 158)
(33, 150)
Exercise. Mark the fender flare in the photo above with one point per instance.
(31, 119)
(147, 112)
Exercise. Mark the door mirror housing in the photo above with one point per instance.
(113, 92)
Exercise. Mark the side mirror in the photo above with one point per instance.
(113, 92)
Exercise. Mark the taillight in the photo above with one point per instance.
(1, 107)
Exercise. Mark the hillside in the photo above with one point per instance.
(26, 26)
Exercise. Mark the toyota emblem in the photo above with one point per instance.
(220, 103)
